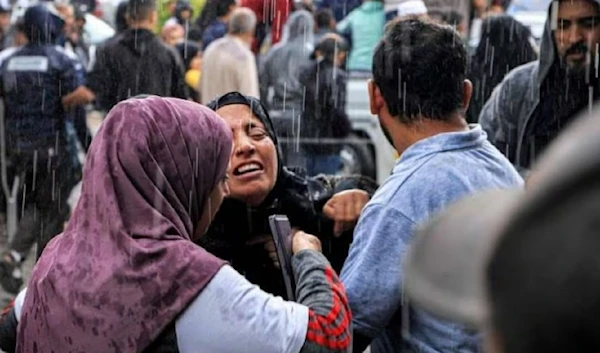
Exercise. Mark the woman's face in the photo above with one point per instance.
(253, 165)
(211, 207)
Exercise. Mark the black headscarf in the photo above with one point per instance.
(259, 110)
(121, 17)
(505, 44)
(187, 51)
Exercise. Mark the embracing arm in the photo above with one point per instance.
(255, 321)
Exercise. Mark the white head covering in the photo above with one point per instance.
(412, 8)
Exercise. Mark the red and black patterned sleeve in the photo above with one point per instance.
(319, 288)
(8, 329)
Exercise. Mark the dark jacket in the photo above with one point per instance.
(300, 198)
(282, 65)
(340, 8)
(505, 44)
(516, 104)
(136, 62)
(35, 78)
(324, 115)
(217, 29)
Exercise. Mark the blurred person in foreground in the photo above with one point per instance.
(505, 44)
(260, 186)
(324, 116)
(137, 62)
(126, 276)
(35, 81)
(535, 101)
(521, 266)
(421, 108)
(229, 64)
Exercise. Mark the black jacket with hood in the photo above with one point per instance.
(324, 116)
(520, 102)
(299, 197)
(133, 63)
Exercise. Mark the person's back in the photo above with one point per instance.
(228, 63)
(324, 116)
(504, 45)
(137, 62)
(365, 25)
(281, 67)
(421, 109)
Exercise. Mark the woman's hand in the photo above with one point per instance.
(305, 241)
(344, 208)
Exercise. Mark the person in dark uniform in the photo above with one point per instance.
(40, 150)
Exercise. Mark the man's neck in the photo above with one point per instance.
(244, 38)
(420, 129)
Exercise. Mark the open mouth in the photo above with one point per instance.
(247, 168)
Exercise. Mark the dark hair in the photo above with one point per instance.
(543, 279)
(329, 45)
(213, 10)
(420, 68)
(323, 18)
(505, 44)
(138, 10)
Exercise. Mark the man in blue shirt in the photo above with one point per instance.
(420, 94)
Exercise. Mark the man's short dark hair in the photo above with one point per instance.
(323, 18)
(139, 10)
(420, 68)
(222, 7)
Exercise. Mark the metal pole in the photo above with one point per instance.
(9, 194)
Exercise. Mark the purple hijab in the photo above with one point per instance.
(126, 266)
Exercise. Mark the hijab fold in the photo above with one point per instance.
(126, 267)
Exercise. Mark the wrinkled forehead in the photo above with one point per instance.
(575, 9)
(239, 116)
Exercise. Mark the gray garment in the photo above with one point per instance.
(507, 113)
(281, 67)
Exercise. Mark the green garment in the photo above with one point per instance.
(365, 25)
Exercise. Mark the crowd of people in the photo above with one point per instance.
(481, 238)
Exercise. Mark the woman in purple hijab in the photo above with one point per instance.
(125, 276)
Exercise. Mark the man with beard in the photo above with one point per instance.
(536, 101)
(421, 106)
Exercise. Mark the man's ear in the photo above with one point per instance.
(376, 101)
(467, 93)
